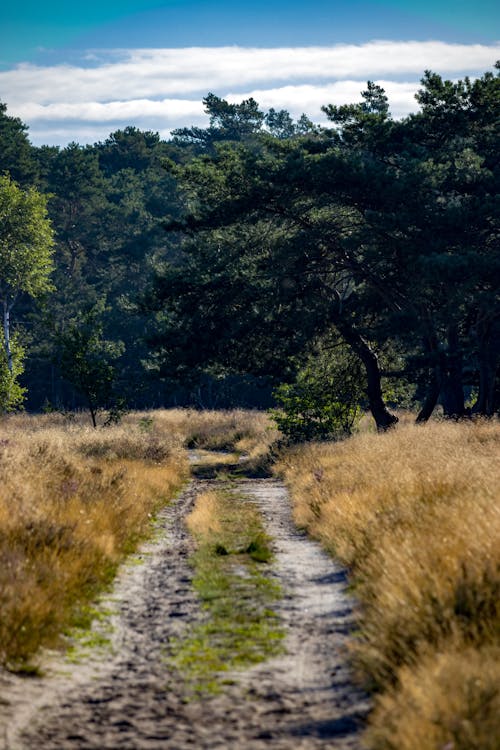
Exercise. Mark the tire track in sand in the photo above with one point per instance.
(303, 699)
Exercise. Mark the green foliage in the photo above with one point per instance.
(107, 203)
(26, 242)
(26, 247)
(324, 401)
(16, 154)
(12, 394)
(281, 125)
(237, 592)
(386, 229)
(228, 122)
(87, 361)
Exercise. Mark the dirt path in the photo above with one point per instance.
(121, 698)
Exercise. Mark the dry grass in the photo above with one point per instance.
(416, 515)
(73, 502)
(237, 432)
(250, 432)
(450, 700)
(204, 520)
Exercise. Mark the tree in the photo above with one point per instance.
(107, 204)
(386, 230)
(16, 153)
(26, 247)
(87, 360)
(281, 125)
(228, 122)
(271, 263)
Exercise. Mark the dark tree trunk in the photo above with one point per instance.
(431, 348)
(382, 416)
(93, 412)
(484, 405)
(452, 395)
(431, 398)
(488, 364)
(452, 391)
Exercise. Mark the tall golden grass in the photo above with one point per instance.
(239, 430)
(73, 502)
(415, 514)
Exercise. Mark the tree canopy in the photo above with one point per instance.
(384, 230)
(26, 246)
(235, 253)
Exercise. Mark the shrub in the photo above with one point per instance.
(323, 402)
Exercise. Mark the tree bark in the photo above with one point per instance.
(431, 348)
(431, 398)
(6, 335)
(93, 411)
(452, 392)
(382, 416)
(488, 363)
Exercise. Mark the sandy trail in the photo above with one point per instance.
(123, 699)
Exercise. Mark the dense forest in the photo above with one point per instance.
(342, 267)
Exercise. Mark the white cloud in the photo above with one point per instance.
(135, 109)
(162, 88)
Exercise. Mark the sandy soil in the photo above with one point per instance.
(122, 697)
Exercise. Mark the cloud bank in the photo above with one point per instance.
(161, 89)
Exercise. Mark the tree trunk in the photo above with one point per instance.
(431, 398)
(485, 404)
(93, 412)
(452, 391)
(382, 416)
(6, 335)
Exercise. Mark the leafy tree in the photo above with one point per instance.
(16, 153)
(78, 208)
(26, 247)
(268, 268)
(87, 361)
(129, 148)
(107, 204)
(281, 125)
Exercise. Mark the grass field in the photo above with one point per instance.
(74, 501)
(415, 514)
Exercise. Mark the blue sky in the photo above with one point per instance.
(80, 71)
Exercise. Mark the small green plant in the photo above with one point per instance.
(116, 412)
(146, 424)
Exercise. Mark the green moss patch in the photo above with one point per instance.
(232, 576)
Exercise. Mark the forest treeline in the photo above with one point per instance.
(353, 265)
